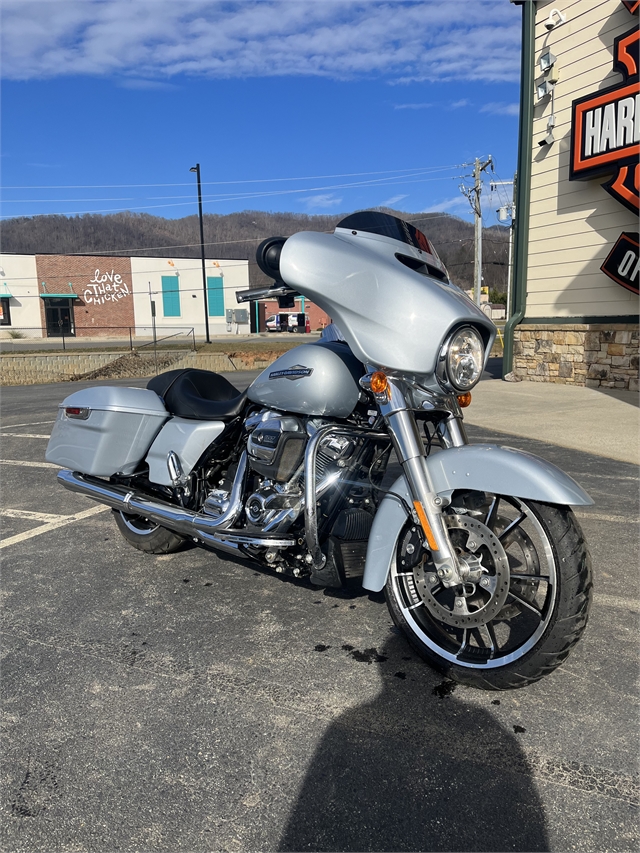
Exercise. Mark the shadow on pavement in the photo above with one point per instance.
(385, 777)
(493, 369)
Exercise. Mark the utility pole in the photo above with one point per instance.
(473, 194)
(508, 211)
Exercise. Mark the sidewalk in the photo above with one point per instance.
(605, 423)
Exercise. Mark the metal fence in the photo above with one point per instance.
(135, 337)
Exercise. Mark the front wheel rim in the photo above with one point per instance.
(530, 602)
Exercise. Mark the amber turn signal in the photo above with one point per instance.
(379, 382)
(428, 532)
(464, 400)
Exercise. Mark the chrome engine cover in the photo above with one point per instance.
(276, 447)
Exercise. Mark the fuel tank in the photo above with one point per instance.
(312, 379)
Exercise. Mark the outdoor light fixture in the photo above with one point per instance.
(543, 89)
(546, 61)
(549, 139)
(551, 22)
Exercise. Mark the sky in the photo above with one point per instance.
(308, 106)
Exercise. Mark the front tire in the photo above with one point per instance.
(528, 604)
(145, 535)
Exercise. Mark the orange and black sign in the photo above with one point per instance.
(605, 126)
(623, 262)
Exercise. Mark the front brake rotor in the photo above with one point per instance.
(482, 556)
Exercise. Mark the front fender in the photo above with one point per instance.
(478, 467)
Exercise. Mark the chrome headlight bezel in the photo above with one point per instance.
(446, 370)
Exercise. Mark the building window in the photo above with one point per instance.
(170, 296)
(5, 312)
(215, 296)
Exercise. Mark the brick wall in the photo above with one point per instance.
(103, 285)
(603, 356)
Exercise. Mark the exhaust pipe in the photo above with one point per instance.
(193, 525)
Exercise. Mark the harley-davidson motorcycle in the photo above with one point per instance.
(483, 565)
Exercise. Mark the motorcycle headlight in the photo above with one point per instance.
(461, 360)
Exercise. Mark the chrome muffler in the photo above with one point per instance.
(207, 529)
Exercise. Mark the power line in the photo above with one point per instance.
(244, 181)
(223, 196)
(212, 200)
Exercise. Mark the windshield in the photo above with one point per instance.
(386, 225)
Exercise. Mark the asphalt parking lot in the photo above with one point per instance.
(192, 703)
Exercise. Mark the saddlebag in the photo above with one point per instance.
(105, 430)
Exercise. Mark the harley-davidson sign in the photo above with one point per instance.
(605, 140)
(605, 128)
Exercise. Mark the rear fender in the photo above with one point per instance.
(483, 468)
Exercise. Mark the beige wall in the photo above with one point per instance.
(149, 271)
(19, 273)
(574, 224)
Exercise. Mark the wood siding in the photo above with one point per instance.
(574, 224)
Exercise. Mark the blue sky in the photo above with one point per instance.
(310, 106)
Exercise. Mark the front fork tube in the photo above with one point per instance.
(428, 505)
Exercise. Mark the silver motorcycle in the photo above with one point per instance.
(482, 562)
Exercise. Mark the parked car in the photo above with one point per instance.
(287, 322)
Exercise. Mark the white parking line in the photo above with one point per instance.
(617, 601)
(29, 464)
(33, 423)
(598, 516)
(53, 525)
(34, 516)
(21, 435)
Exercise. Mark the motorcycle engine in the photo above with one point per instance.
(275, 451)
(276, 447)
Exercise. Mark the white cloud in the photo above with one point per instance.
(459, 203)
(457, 105)
(321, 201)
(393, 200)
(411, 106)
(405, 40)
(136, 83)
(500, 109)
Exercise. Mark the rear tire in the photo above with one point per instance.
(538, 570)
(146, 535)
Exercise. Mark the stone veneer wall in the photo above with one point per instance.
(603, 355)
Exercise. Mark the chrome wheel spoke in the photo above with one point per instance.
(492, 514)
(511, 527)
(491, 631)
(525, 603)
(485, 639)
(515, 576)
(464, 644)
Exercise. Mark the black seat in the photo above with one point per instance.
(198, 394)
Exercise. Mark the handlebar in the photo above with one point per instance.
(257, 293)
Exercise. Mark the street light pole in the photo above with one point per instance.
(196, 169)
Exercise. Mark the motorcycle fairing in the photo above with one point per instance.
(485, 468)
(390, 315)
